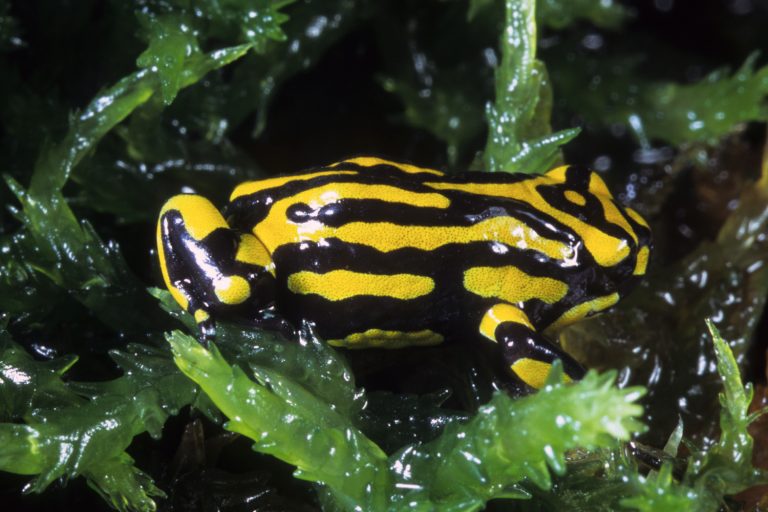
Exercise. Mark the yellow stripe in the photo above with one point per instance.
(377, 338)
(251, 187)
(252, 251)
(505, 230)
(606, 250)
(614, 216)
(199, 214)
(581, 310)
(575, 197)
(344, 284)
(642, 261)
(231, 289)
(200, 218)
(502, 313)
(636, 217)
(533, 372)
(179, 297)
(385, 236)
(201, 316)
(368, 161)
(598, 187)
(175, 292)
(557, 175)
(276, 230)
(512, 285)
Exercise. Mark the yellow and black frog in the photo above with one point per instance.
(383, 254)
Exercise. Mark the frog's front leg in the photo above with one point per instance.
(211, 270)
(528, 355)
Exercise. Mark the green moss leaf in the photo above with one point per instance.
(256, 22)
(173, 37)
(108, 109)
(707, 109)
(464, 467)
(721, 470)
(307, 361)
(172, 42)
(726, 468)
(26, 384)
(611, 90)
(124, 486)
(481, 460)
(59, 247)
(287, 421)
(659, 492)
(260, 20)
(559, 14)
(519, 138)
(85, 430)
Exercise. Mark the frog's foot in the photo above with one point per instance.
(268, 319)
(210, 269)
(206, 332)
(529, 356)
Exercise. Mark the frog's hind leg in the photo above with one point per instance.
(527, 354)
(210, 269)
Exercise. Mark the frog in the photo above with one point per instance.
(381, 254)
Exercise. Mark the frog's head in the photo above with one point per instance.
(616, 238)
(210, 269)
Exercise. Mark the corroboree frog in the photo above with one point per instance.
(384, 254)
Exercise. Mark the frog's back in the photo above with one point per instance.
(373, 251)
(367, 190)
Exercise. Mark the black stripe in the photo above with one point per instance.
(449, 309)
(336, 254)
(464, 212)
(449, 306)
(577, 178)
(389, 171)
(592, 212)
(247, 211)
(518, 341)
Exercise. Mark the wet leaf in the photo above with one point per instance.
(171, 43)
(464, 467)
(610, 90)
(71, 429)
(559, 14)
(519, 138)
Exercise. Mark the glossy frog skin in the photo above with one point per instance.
(382, 254)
